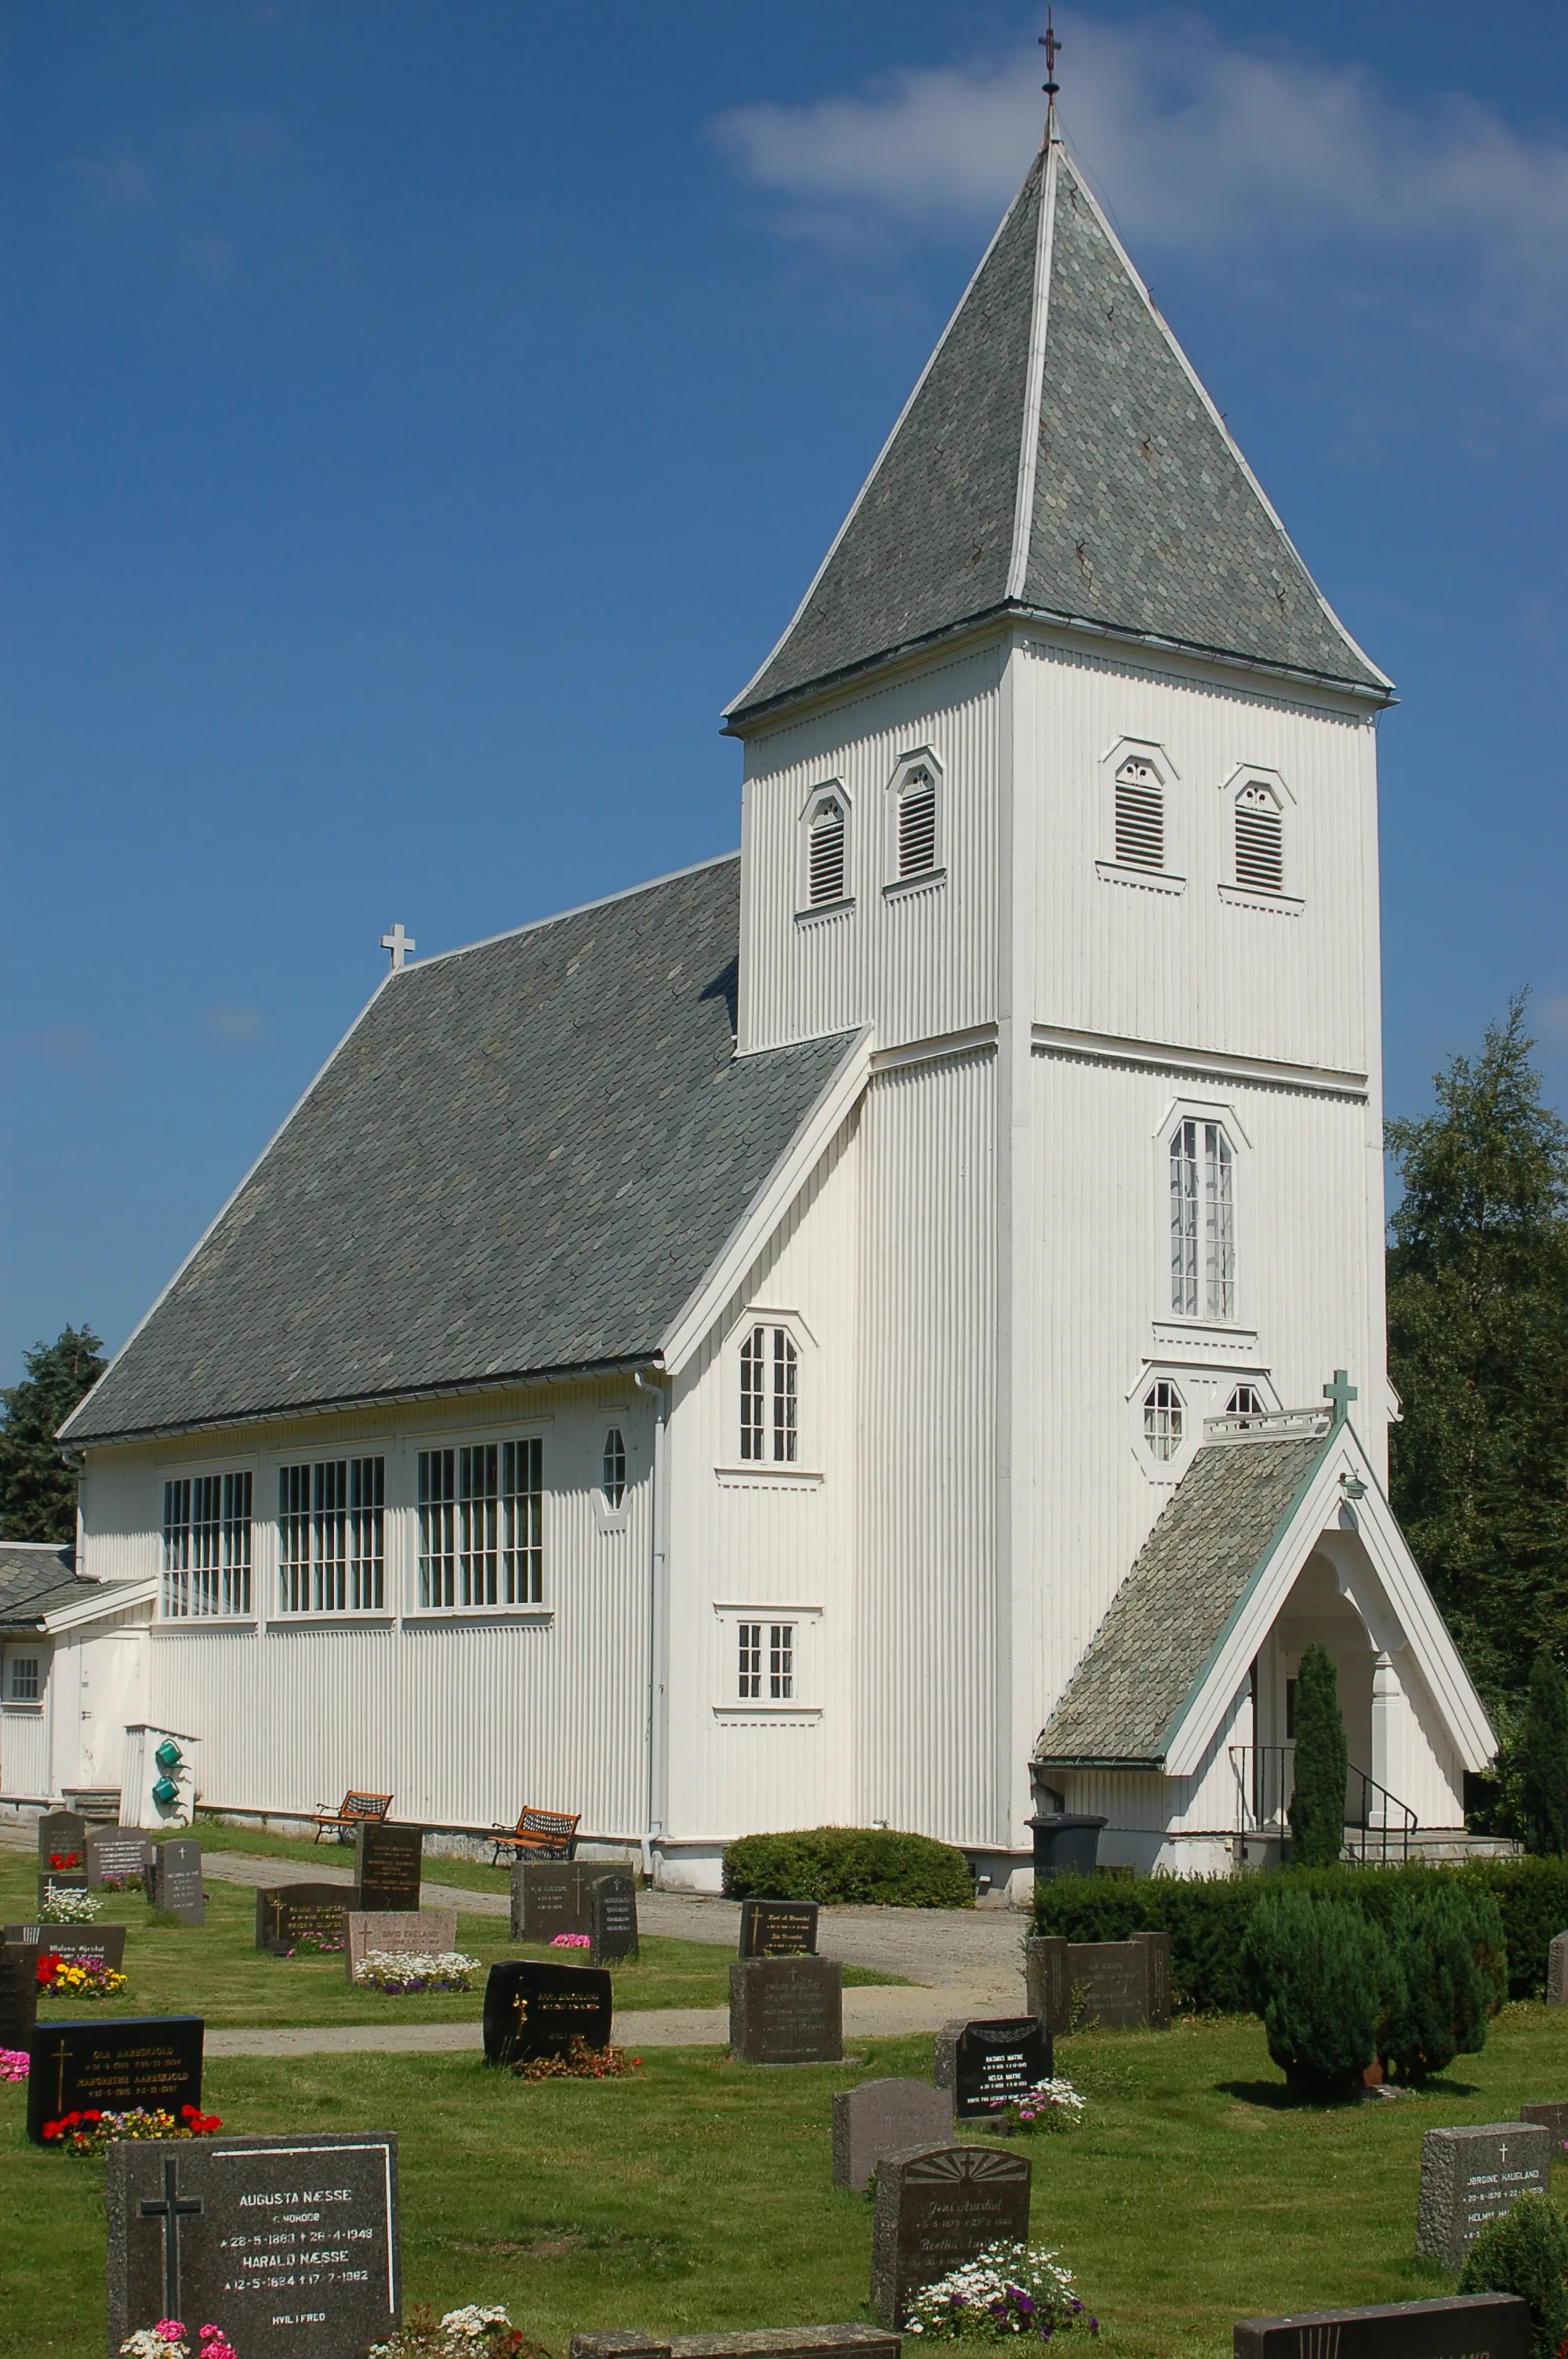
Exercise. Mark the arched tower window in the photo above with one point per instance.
(917, 824)
(1203, 1222)
(1260, 839)
(1140, 816)
(769, 1395)
(825, 854)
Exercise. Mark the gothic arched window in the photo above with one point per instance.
(1203, 1222)
(769, 1395)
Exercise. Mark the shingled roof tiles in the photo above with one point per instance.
(36, 1580)
(1144, 516)
(1192, 1573)
(522, 1160)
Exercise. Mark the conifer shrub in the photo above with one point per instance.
(1317, 1971)
(1525, 2250)
(1323, 1763)
(1545, 1761)
(1437, 1994)
(871, 1866)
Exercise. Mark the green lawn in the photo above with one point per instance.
(217, 1971)
(700, 2194)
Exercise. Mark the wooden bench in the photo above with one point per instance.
(352, 1810)
(538, 1834)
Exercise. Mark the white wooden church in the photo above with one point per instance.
(841, 1333)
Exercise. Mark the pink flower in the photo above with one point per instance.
(571, 1941)
(170, 2328)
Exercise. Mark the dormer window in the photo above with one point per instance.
(825, 854)
(917, 824)
(1140, 816)
(1259, 840)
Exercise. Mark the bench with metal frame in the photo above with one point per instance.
(352, 1811)
(538, 1834)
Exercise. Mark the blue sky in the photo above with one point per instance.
(419, 418)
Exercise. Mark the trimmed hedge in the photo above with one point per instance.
(870, 1866)
(1206, 1917)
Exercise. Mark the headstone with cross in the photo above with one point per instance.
(1469, 2176)
(399, 945)
(116, 2066)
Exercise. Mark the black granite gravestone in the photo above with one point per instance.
(62, 1841)
(113, 2066)
(292, 2243)
(1463, 2326)
(176, 1884)
(534, 2007)
(985, 2062)
(786, 2010)
(387, 1862)
(553, 1895)
(18, 1995)
(309, 1913)
(55, 1879)
(778, 1928)
(850, 2341)
(612, 1919)
(118, 1855)
(80, 1945)
(937, 2207)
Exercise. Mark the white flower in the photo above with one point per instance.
(475, 2321)
(65, 1907)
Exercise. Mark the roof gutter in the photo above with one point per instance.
(656, 1737)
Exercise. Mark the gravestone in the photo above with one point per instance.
(981, 2062)
(62, 1835)
(882, 2117)
(80, 1945)
(551, 1897)
(112, 2066)
(1557, 1971)
(120, 1854)
(786, 2010)
(612, 1919)
(1468, 2176)
(534, 2007)
(18, 1995)
(1553, 2120)
(1047, 1984)
(292, 2243)
(176, 1884)
(56, 1879)
(296, 1912)
(853, 2341)
(1465, 2326)
(428, 1930)
(778, 1928)
(387, 1862)
(939, 2206)
(1123, 1985)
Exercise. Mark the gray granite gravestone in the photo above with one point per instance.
(302, 1913)
(176, 1883)
(778, 1928)
(1047, 1984)
(291, 2243)
(938, 2206)
(786, 2010)
(884, 2118)
(426, 1931)
(985, 2062)
(62, 1839)
(551, 1897)
(612, 1919)
(118, 2064)
(1468, 2176)
(1123, 1985)
(1553, 2120)
(388, 1861)
(18, 1995)
(1557, 1971)
(121, 1857)
(86, 1945)
(1465, 2326)
(534, 2007)
(853, 2341)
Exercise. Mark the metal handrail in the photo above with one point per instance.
(1377, 1825)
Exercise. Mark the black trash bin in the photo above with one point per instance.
(1065, 1843)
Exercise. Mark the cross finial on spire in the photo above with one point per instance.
(1341, 1392)
(1050, 45)
(399, 945)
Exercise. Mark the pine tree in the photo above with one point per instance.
(38, 1489)
(1323, 1764)
(1545, 1757)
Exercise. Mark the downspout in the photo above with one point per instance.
(658, 1574)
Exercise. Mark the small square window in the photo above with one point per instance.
(24, 1686)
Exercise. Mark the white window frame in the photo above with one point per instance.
(36, 1655)
(1236, 1322)
(1288, 901)
(805, 908)
(333, 1530)
(1171, 876)
(777, 1407)
(526, 1435)
(214, 1578)
(921, 760)
(783, 1630)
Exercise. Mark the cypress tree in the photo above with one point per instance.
(1323, 1764)
(1546, 1756)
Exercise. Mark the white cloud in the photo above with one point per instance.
(1204, 150)
(1550, 1011)
(235, 1028)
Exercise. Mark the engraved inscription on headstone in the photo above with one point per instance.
(175, 1884)
(79, 1945)
(1468, 2176)
(551, 1897)
(1465, 2326)
(18, 1994)
(534, 2007)
(786, 2010)
(778, 1928)
(1557, 1971)
(121, 1856)
(938, 2206)
(388, 1863)
(115, 2065)
(983, 2063)
(301, 1912)
(882, 2117)
(63, 1841)
(612, 1919)
(427, 1933)
(1124, 1986)
(291, 2242)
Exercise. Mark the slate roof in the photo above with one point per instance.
(1214, 1538)
(36, 1580)
(520, 1162)
(1144, 516)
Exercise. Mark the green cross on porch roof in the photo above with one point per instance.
(1341, 1392)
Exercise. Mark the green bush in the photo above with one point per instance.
(1525, 2250)
(1323, 1763)
(870, 1866)
(1438, 1995)
(1316, 1971)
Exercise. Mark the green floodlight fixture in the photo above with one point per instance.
(164, 1792)
(169, 1757)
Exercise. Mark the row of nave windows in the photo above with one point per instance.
(480, 1510)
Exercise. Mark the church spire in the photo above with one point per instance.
(1052, 47)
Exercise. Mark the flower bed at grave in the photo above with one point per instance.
(401, 1973)
(316, 1945)
(65, 1861)
(90, 2132)
(69, 1908)
(1053, 2105)
(1009, 2289)
(72, 1978)
(580, 2062)
(15, 2063)
(477, 2332)
(167, 2340)
(571, 1941)
(132, 1880)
